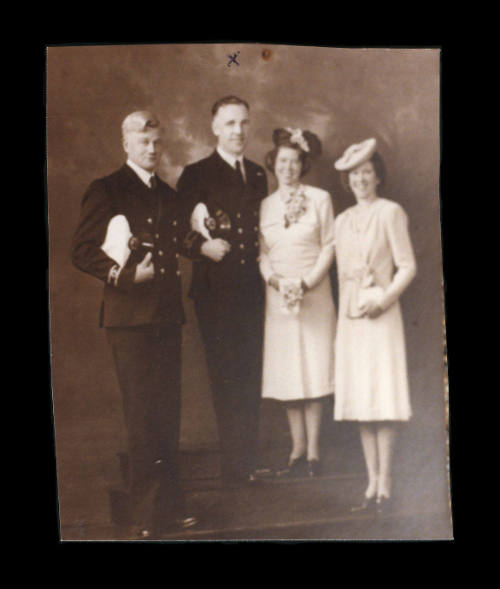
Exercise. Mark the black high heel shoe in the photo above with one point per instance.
(296, 468)
(383, 505)
(314, 468)
(368, 505)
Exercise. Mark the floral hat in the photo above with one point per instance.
(307, 141)
(356, 154)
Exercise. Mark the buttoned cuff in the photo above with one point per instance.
(192, 244)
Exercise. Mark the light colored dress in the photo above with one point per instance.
(299, 349)
(374, 259)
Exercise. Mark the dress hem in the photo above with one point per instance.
(299, 399)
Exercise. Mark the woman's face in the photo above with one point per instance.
(363, 181)
(288, 166)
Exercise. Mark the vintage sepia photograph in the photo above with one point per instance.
(247, 325)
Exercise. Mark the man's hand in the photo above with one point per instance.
(215, 249)
(145, 270)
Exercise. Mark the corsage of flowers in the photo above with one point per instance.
(295, 207)
(292, 293)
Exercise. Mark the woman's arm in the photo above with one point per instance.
(327, 236)
(403, 256)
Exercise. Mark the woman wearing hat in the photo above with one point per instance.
(297, 249)
(375, 263)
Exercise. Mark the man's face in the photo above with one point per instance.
(231, 126)
(144, 148)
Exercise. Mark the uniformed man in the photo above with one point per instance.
(128, 237)
(222, 195)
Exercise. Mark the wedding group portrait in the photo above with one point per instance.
(247, 322)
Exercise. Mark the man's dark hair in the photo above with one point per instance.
(228, 100)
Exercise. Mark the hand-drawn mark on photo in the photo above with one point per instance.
(232, 59)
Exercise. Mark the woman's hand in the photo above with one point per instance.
(372, 309)
(274, 281)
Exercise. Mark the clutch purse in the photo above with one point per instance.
(363, 290)
(368, 295)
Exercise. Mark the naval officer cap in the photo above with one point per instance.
(356, 154)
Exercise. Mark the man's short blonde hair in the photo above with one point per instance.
(140, 121)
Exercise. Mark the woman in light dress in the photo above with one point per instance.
(297, 249)
(376, 264)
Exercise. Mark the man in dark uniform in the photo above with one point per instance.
(128, 236)
(226, 285)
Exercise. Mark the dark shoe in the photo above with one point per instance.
(187, 522)
(296, 469)
(240, 479)
(384, 505)
(314, 468)
(367, 506)
(154, 533)
(259, 475)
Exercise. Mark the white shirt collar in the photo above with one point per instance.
(231, 159)
(143, 174)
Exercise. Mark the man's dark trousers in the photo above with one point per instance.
(147, 362)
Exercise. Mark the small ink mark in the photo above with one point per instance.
(267, 54)
(232, 59)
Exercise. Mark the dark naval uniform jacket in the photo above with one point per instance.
(229, 302)
(143, 325)
(215, 183)
(149, 211)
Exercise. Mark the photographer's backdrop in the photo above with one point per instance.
(342, 95)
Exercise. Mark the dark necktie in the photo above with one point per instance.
(239, 172)
(153, 183)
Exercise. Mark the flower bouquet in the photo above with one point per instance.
(291, 294)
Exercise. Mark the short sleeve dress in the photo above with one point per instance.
(374, 259)
(299, 349)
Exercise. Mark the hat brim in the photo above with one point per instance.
(355, 155)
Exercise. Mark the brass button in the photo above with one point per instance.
(175, 239)
(162, 270)
(160, 252)
(255, 228)
(238, 215)
(174, 222)
(178, 272)
(150, 220)
(176, 255)
(242, 246)
(242, 261)
(240, 230)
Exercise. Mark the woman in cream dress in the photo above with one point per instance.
(297, 249)
(375, 263)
